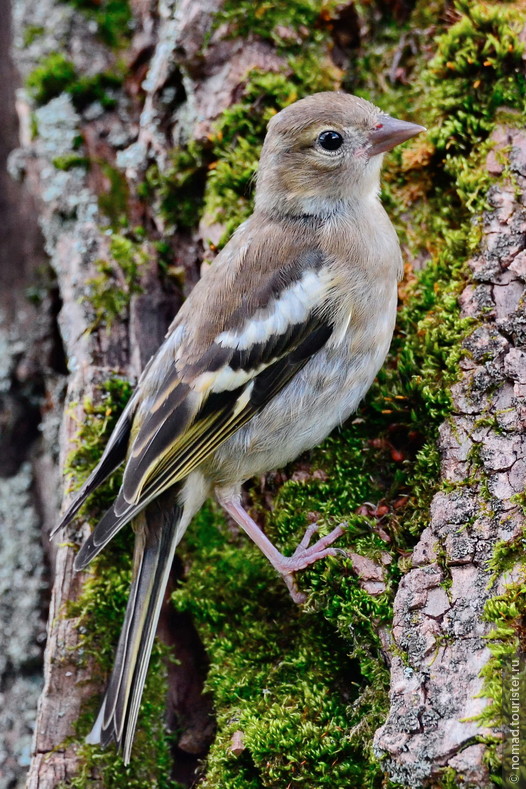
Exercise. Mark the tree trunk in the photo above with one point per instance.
(139, 131)
(29, 355)
(442, 630)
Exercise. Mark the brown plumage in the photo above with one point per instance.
(276, 345)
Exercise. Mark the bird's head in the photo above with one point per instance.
(324, 152)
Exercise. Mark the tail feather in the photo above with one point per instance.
(107, 528)
(104, 531)
(154, 553)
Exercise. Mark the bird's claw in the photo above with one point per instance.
(305, 555)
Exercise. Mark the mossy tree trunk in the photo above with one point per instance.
(140, 129)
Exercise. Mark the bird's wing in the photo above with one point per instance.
(114, 454)
(212, 387)
(163, 455)
(173, 448)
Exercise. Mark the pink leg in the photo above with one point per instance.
(303, 556)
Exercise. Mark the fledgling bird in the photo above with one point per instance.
(276, 345)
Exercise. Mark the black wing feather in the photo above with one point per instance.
(114, 454)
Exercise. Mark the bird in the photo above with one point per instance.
(275, 346)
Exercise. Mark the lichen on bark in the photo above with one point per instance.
(163, 170)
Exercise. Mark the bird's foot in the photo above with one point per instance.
(305, 555)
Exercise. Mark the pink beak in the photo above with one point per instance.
(390, 132)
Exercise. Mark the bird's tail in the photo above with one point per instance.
(157, 537)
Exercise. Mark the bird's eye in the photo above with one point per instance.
(330, 140)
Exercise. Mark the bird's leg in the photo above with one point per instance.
(304, 555)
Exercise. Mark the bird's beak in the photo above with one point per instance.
(390, 132)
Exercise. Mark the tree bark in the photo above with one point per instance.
(85, 162)
(29, 357)
(76, 239)
(443, 631)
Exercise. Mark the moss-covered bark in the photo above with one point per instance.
(298, 694)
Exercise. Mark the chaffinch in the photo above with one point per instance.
(276, 345)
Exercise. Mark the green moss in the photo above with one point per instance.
(100, 87)
(53, 76)
(113, 18)
(31, 33)
(57, 74)
(290, 26)
(282, 676)
(378, 464)
(113, 202)
(506, 613)
(477, 69)
(100, 612)
(33, 126)
(70, 161)
(177, 192)
(448, 779)
(109, 294)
